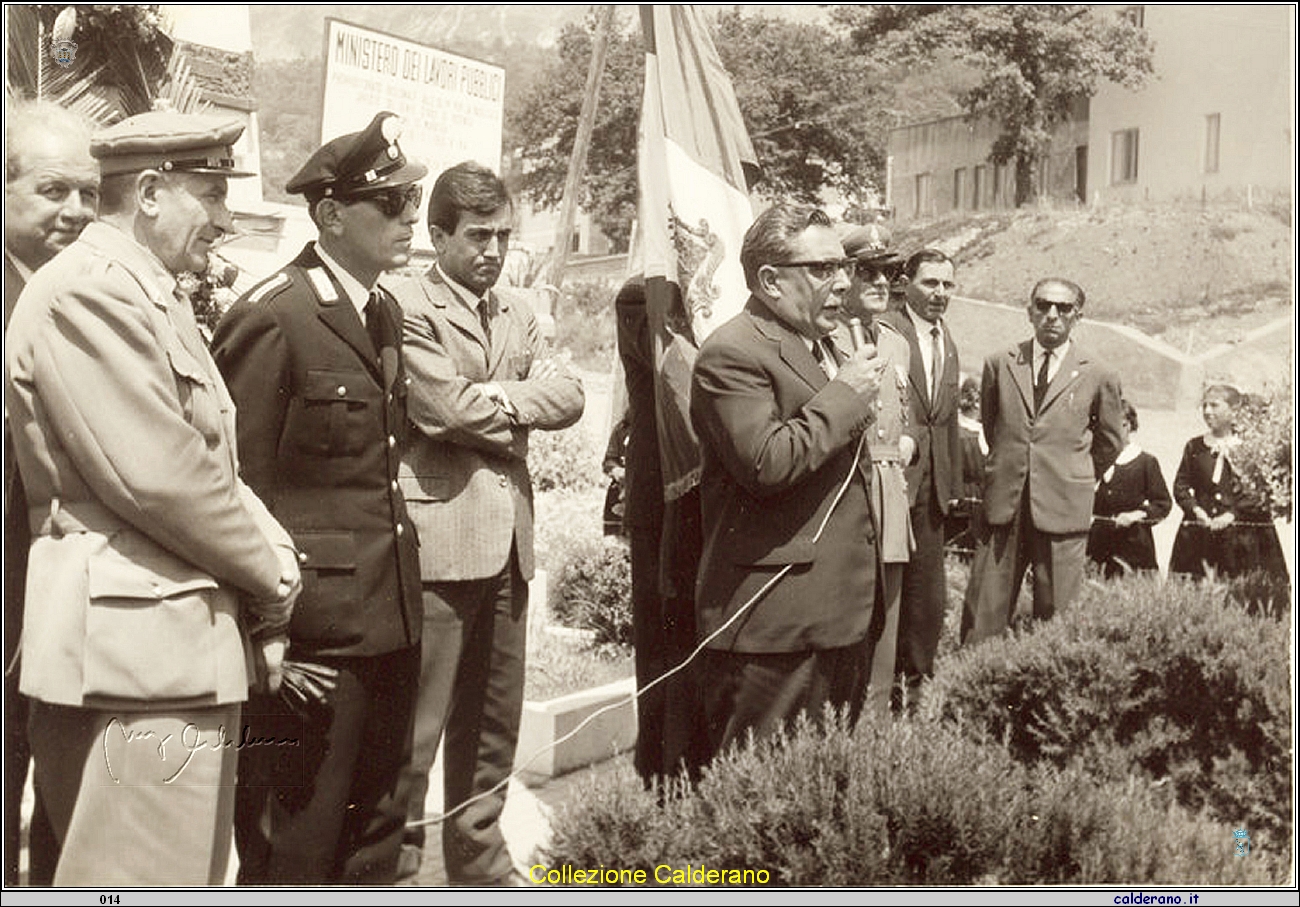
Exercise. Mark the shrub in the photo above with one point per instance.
(594, 591)
(912, 802)
(1263, 459)
(584, 323)
(566, 460)
(1165, 679)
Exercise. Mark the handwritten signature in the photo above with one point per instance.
(191, 742)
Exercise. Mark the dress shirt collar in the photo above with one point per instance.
(923, 327)
(358, 295)
(463, 293)
(1058, 356)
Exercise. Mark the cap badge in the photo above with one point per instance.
(391, 130)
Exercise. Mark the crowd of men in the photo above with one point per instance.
(301, 554)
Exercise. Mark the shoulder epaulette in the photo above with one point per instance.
(324, 286)
(269, 287)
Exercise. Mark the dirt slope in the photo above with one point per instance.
(1193, 277)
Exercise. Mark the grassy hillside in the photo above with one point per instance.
(1192, 276)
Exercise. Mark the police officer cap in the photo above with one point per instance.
(168, 141)
(870, 242)
(358, 162)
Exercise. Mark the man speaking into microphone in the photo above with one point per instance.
(788, 570)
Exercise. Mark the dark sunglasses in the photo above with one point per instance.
(1065, 309)
(870, 272)
(391, 202)
(820, 270)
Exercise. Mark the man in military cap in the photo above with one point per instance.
(148, 554)
(313, 359)
(889, 445)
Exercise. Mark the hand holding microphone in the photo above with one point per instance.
(863, 370)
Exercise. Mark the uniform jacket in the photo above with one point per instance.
(143, 533)
(1062, 451)
(932, 423)
(777, 443)
(321, 421)
(465, 475)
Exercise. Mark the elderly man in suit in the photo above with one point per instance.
(313, 358)
(482, 380)
(787, 577)
(150, 558)
(1052, 417)
(934, 473)
(51, 193)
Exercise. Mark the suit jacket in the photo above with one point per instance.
(465, 474)
(1062, 451)
(322, 417)
(777, 442)
(932, 423)
(143, 532)
(17, 533)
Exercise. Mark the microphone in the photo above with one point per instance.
(858, 335)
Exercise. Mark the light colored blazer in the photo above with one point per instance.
(1062, 451)
(465, 472)
(143, 535)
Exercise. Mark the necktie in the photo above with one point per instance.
(484, 319)
(1040, 385)
(936, 362)
(374, 322)
(825, 358)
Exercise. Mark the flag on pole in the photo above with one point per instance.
(693, 155)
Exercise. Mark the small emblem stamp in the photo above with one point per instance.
(1242, 838)
(63, 52)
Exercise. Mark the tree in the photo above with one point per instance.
(1034, 61)
(544, 124)
(814, 110)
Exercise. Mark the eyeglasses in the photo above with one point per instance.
(821, 270)
(391, 202)
(870, 272)
(1064, 309)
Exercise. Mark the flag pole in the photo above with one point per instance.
(581, 142)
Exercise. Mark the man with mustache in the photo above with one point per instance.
(313, 359)
(1052, 413)
(153, 570)
(482, 379)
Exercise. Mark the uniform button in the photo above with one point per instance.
(880, 404)
(302, 557)
(399, 530)
(504, 481)
(393, 485)
(880, 432)
(392, 442)
(342, 391)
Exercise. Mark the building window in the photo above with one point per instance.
(958, 188)
(1135, 14)
(979, 188)
(1212, 143)
(1124, 156)
(922, 194)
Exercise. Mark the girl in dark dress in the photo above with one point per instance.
(1131, 498)
(1224, 532)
